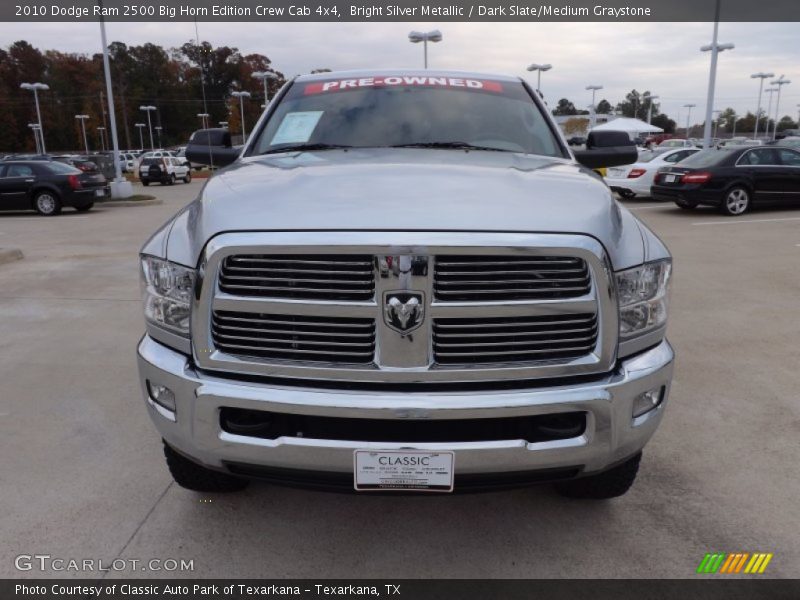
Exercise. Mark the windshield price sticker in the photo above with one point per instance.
(297, 127)
(340, 85)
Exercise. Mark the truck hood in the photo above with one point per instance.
(406, 190)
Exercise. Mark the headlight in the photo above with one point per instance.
(643, 294)
(167, 294)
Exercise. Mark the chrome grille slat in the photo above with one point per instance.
(499, 278)
(455, 341)
(284, 337)
(329, 277)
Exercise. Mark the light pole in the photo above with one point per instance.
(82, 119)
(148, 109)
(35, 129)
(715, 48)
(594, 89)
(688, 116)
(265, 76)
(780, 82)
(141, 126)
(242, 96)
(158, 129)
(35, 87)
(539, 69)
(102, 132)
(761, 77)
(716, 122)
(769, 91)
(203, 121)
(650, 107)
(733, 128)
(415, 37)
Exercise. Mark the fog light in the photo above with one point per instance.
(648, 401)
(162, 395)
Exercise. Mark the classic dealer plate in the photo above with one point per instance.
(403, 470)
(670, 178)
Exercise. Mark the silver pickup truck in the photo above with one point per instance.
(406, 281)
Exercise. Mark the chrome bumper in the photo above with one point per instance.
(611, 433)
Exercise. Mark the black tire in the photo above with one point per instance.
(85, 207)
(736, 202)
(627, 194)
(608, 484)
(188, 178)
(145, 182)
(171, 180)
(686, 204)
(192, 476)
(47, 203)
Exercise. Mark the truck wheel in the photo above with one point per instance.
(188, 178)
(736, 201)
(192, 476)
(47, 204)
(171, 180)
(145, 182)
(608, 484)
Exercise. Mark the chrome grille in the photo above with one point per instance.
(293, 337)
(492, 277)
(306, 276)
(493, 340)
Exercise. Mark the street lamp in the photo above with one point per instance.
(688, 116)
(82, 119)
(241, 96)
(769, 91)
(650, 107)
(35, 128)
(35, 87)
(539, 69)
(203, 121)
(148, 109)
(715, 48)
(594, 89)
(716, 122)
(158, 129)
(102, 132)
(415, 37)
(141, 126)
(762, 77)
(265, 76)
(780, 82)
(733, 128)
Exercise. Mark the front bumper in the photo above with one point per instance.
(611, 434)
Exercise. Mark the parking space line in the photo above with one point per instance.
(738, 221)
(646, 207)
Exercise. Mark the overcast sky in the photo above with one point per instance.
(661, 57)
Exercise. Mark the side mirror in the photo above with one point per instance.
(211, 147)
(607, 149)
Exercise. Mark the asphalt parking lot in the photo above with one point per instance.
(83, 475)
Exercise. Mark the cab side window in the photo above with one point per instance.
(790, 158)
(19, 171)
(761, 156)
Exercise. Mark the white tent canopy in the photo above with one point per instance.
(633, 127)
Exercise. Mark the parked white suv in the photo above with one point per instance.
(166, 170)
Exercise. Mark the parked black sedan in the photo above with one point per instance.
(46, 186)
(733, 180)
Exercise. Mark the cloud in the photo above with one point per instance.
(661, 57)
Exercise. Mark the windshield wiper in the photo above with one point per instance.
(305, 147)
(454, 145)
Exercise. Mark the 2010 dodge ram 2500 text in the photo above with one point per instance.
(406, 281)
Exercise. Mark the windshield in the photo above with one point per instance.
(706, 158)
(408, 111)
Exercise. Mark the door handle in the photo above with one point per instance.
(29, 180)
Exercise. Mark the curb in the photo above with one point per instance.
(8, 255)
(153, 202)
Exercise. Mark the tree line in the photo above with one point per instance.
(637, 105)
(147, 75)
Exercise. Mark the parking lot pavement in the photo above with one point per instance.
(83, 475)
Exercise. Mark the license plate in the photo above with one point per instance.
(403, 470)
(670, 178)
(615, 172)
(100, 193)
